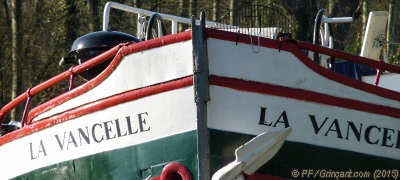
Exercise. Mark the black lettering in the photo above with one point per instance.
(368, 132)
(142, 121)
(83, 135)
(71, 139)
(356, 132)
(108, 130)
(315, 124)
(94, 133)
(262, 117)
(336, 129)
(60, 144)
(119, 129)
(41, 149)
(128, 122)
(284, 118)
(32, 158)
(386, 137)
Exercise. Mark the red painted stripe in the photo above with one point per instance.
(51, 82)
(119, 52)
(97, 105)
(295, 47)
(174, 171)
(304, 95)
(123, 50)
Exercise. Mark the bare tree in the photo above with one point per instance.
(15, 47)
(71, 23)
(183, 12)
(94, 22)
(2, 56)
(216, 10)
(391, 24)
(233, 4)
(364, 17)
(193, 8)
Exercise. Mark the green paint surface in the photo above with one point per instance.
(133, 162)
(296, 156)
(148, 159)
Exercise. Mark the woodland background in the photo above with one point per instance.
(35, 34)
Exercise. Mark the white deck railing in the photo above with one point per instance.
(143, 13)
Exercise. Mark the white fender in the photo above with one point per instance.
(252, 155)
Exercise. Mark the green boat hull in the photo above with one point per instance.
(133, 162)
(147, 160)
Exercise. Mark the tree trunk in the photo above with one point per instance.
(6, 11)
(216, 10)
(183, 13)
(364, 16)
(331, 9)
(15, 47)
(70, 23)
(193, 8)
(233, 5)
(305, 13)
(94, 22)
(2, 80)
(342, 8)
(391, 24)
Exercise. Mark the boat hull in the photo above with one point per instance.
(141, 130)
(197, 96)
(140, 161)
(307, 160)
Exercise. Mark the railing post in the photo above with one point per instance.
(174, 27)
(106, 15)
(140, 24)
(72, 76)
(26, 109)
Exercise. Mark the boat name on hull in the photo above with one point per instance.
(95, 133)
(339, 129)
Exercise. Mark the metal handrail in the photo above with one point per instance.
(141, 12)
(78, 69)
(51, 82)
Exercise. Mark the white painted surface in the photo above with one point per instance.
(374, 31)
(167, 114)
(281, 68)
(387, 80)
(238, 111)
(137, 70)
(253, 154)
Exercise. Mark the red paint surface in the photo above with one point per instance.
(122, 50)
(304, 95)
(119, 52)
(175, 170)
(295, 47)
(97, 105)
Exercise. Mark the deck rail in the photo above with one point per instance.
(31, 92)
(379, 65)
(141, 13)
